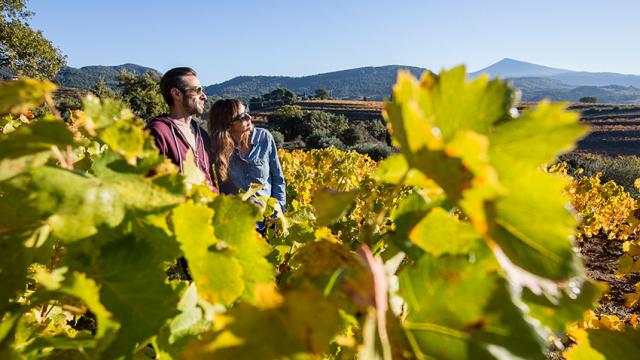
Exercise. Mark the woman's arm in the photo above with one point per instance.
(278, 186)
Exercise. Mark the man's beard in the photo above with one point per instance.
(196, 110)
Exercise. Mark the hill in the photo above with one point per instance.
(536, 82)
(88, 76)
(510, 68)
(371, 82)
(536, 89)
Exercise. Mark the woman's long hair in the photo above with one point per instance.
(221, 115)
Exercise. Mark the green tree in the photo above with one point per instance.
(323, 94)
(295, 123)
(354, 134)
(588, 99)
(102, 90)
(23, 50)
(142, 93)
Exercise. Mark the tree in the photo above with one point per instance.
(142, 93)
(103, 91)
(354, 134)
(588, 99)
(23, 50)
(323, 94)
(277, 97)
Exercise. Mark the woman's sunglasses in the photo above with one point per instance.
(242, 117)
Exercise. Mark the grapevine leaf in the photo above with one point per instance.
(535, 138)
(406, 216)
(24, 94)
(193, 174)
(13, 269)
(126, 138)
(30, 146)
(456, 104)
(81, 287)
(191, 322)
(395, 170)
(59, 195)
(218, 275)
(440, 233)
(603, 344)
(129, 284)
(303, 324)
(99, 113)
(533, 227)
(34, 138)
(331, 205)
(566, 308)
(234, 222)
(460, 309)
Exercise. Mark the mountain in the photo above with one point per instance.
(510, 68)
(536, 82)
(536, 89)
(374, 83)
(87, 77)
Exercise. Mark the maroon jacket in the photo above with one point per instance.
(173, 144)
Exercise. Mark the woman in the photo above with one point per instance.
(243, 154)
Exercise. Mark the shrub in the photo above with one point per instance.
(323, 139)
(354, 134)
(293, 122)
(377, 129)
(376, 152)
(623, 170)
(278, 137)
(588, 99)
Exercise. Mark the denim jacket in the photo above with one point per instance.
(260, 166)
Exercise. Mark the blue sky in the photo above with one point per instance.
(223, 39)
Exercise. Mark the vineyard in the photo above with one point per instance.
(464, 245)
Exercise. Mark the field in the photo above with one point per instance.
(615, 129)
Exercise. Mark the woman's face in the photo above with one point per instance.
(241, 122)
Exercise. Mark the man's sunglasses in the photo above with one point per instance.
(198, 89)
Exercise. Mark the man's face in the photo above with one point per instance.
(192, 95)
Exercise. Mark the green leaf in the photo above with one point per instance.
(302, 325)
(459, 308)
(24, 94)
(83, 288)
(34, 138)
(395, 170)
(405, 216)
(604, 344)
(217, 274)
(533, 227)
(559, 312)
(30, 146)
(192, 321)
(99, 113)
(57, 196)
(234, 222)
(133, 289)
(13, 269)
(126, 138)
(441, 233)
(331, 205)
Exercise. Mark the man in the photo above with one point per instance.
(175, 133)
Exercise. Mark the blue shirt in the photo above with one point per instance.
(260, 166)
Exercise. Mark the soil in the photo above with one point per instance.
(601, 262)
